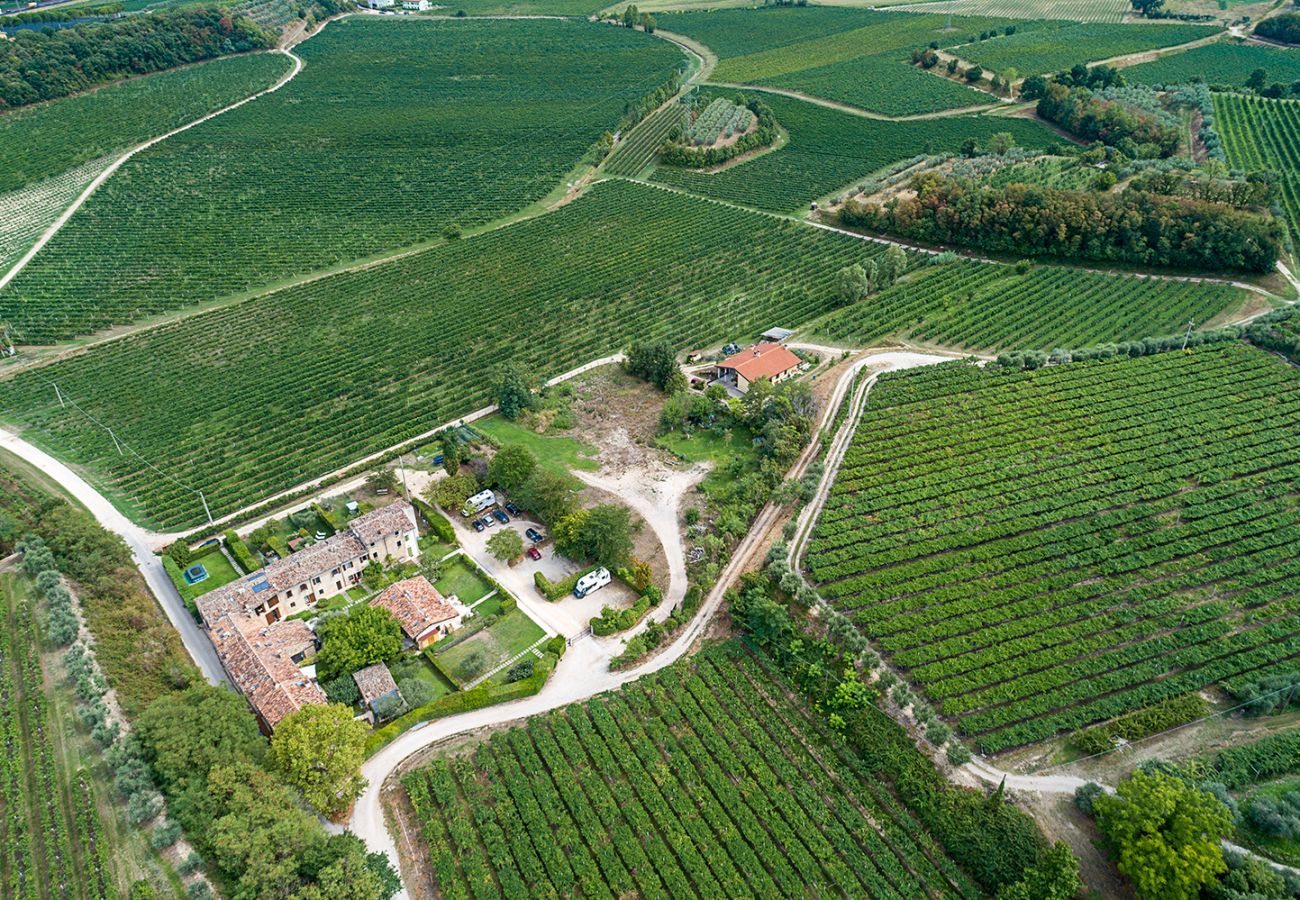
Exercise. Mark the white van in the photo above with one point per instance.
(479, 502)
(592, 581)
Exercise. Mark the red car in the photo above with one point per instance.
(534, 553)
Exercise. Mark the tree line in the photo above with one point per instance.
(46, 64)
(1284, 28)
(1132, 227)
(1079, 111)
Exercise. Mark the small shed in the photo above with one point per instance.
(375, 683)
(776, 335)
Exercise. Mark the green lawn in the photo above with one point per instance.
(730, 451)
(459, 578)
(433, 548)
(492, 646)
(560, 454)
(418, 667)
(220, 572)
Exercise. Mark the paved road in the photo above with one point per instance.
(140, 543)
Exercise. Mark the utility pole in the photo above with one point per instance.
(58, 393)
(115, 441)
(205, 508)
(401, 465)
(1188, 335)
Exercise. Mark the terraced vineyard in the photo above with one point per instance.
(1041, 550)
(1046, 49)
(706, 779)
(51, 833)
(1219, 63)
(476, 119)
(983, 306)
(828, 150)
(259, 396)
(1264, 135)
(857, 57)
(48, 139)
(638, 148)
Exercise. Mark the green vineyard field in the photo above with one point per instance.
(704, 780)
(47, 139)
(829, 150)
(984, 306)
(884, 83)
(637, 148)
(1046, 49)
(1219, 63)
(53, 839)
(395, 130)
(1259, 134)
(1072, 10)
(1041, 550)
(256, 397)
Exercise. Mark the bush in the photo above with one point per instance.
(554, 590)
(1277, 817)
(165, 833)
(958, 755)
(239, 550)
(519, 671)
(342, 690)
(416, 692)
(612, 620)
(1085, 795)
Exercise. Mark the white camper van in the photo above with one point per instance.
(479, 502)
(592, 581)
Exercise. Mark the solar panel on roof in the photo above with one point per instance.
(261, 586)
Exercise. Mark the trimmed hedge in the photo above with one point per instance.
(438, 523)
(239, 550)
(554, 590)
(612, 620)
(486, 694)
(443, 670)
(329, 518)
(1141, 723)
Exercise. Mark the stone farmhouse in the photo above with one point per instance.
(246, 619)
(424, 614)
(767, 359)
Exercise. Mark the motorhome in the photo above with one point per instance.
(592, 581)
(479, 502)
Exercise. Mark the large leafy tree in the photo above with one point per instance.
(1165, 834)
(319, 750)
(514, 390)
(852, 284)
(511, 467)
(367, 635)
(549, 495)
(602, 534)
(653, 361)
(506, 545)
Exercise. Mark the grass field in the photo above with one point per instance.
(53, 838)
(1072, 10)
(1041, 550)
(706, 779)
(276, 390)
(1046, 49)
(482, 652)
(1218, 63)
(981, 306)
(472, 120)
(857, 57)
(829, 150)
(463, 581)
(557, 452)
(1262, 135)
(47, 139)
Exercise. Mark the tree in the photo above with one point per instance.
(512, 467)
(506, 545)
(653, 361)
(974, 74)
(1256, 80)
(1054, 877)
(319, 750)
(1009, 77)
(1034, 87)
(893, 265)
(629, 16)
(381, 480)
(647, 22)
(451, 492)
(365, 636)
(1147, 7)
(852, 284)
(180, 552)
(549, 495)
(1165, 834)
(515, 390)
(450, 448)
(1001, 143)
(602, 534)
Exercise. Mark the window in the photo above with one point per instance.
(338, 585)
(316, 580)
(288, 593)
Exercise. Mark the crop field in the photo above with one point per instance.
(28, 211)
(1218, 63)
(256, 397)
(50, 842)
(1042, 550)
(1046, 49)
(638, 147)
(47, 139)
(828, 150)
(475, 121)
(988, 307)
(1264, 135)
(852, 56)
(705, 779)
(1071, 10)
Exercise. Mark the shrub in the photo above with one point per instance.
(416, 692)
(343, 690)
(165, 833)
(958, 755)
(1085, 795)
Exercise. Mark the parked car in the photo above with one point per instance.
(500, 516)
(533, 553)
(533, 535)
(478, 525)
(592, 581)
(488, 521)
(512, 509)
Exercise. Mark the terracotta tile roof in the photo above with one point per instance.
(374, 682)
(259, 660)
(395, 518)
(416, 605)
(765, 360)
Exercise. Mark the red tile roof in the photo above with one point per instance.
(416, 605)
(259, 659)
(765, 360)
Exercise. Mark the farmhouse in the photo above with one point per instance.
(381, 4)
(262, 660)
(764, 360)
(424, 614)
(415, 5)
(318, 572)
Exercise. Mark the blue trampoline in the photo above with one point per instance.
(195, 573)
